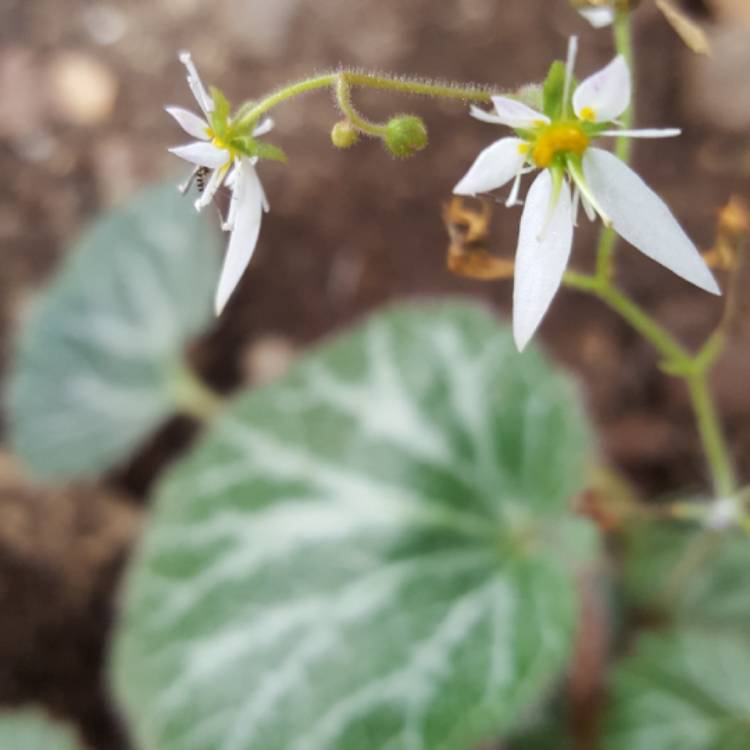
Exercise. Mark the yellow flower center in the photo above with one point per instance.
(558, 138)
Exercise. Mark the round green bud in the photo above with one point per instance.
(405, 135)
(344, 134)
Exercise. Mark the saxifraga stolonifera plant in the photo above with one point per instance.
(555, 126)
(379, 550)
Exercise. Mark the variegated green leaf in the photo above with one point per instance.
(98, 364)
(29, 729)
(713, 595)
(374, 553)
(686, 689)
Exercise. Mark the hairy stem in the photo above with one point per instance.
(712, 436)
(351, 78)
(344, 100)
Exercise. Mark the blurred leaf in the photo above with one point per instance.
(96, 365)
(688, 687)
(29, 729)
(546, 732)
(715, 591)
(685, 689)
(376, 552)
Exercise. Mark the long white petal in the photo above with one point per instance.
(515, 114)
(202, 154)
(196, 85)
(246, 226)
(485, 116)
(189, 122)
(544, 243)
(643, 133)
(598, 17)
(497, 164)
(570, 65)
(605, 95)
(588, 209)
(512, 199)
(264, 126)
(643, 219)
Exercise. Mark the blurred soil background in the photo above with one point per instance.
(82, 89)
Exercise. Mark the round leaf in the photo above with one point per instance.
(714, 594)
(685, 689)
(369, 554)
(29, 729)
(98, 361)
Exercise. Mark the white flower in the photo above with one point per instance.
(558, 143)
(598, 17)
(213, 154)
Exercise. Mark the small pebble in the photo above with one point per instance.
(83, 90)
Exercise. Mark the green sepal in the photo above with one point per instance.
(525, 134)
(554, 91)
(220, 113)
(269, 151)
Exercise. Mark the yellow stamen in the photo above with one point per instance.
(523, 148)
(588, 114)
(559, 138)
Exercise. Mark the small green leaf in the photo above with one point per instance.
(371, 553)
(269, 151)
(554, 90)
(30, 729)
(685, 689)
(95, 366)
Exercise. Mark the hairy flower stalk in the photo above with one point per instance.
(228, 154)
(558, 142)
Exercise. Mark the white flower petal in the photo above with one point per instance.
(264, 126)
(512, 199)
(544, 244)
(498, 164)
(576, 205)
(484, 115)
(598, 17)
(248, 194)
(588, 209)
(643, 219)
(605, 95)
(189, 122)
(515, 114)
(202, 154)
(205, 102)
(643, 133)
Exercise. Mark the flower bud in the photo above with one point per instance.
(344, 134)
(405, 135)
